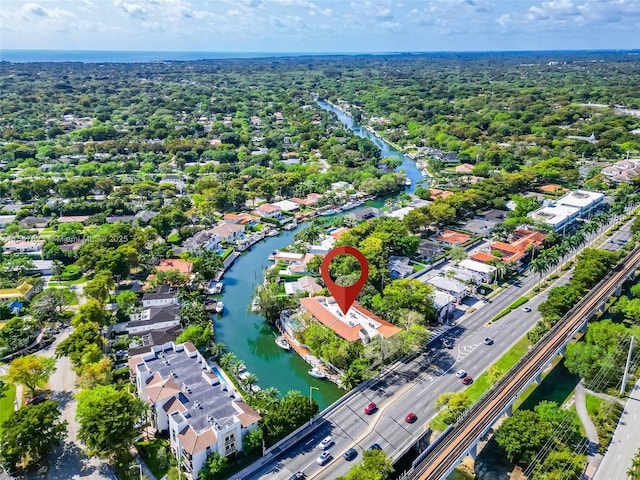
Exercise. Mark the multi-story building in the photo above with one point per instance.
(563, 212)
(193, 402)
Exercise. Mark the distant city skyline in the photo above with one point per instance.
(314, 26)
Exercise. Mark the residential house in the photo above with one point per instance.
(465, 168)
(241, 218)
(364, 214)
(145, 216)
(196, 405)
(451, 238)
(23, 291)
(399, 267)
(161, 295)
(303, 284)
(288, 257)
(444, 304)
(428, 251)
(311, 200)
(204, 240)
(121, 218)
(143, 343)
(563, 212)
(73, 218)
(153, 318)
(484, 270)
(287, 206)
(357, 324)
(435, 193)
(458, 290)
(23, 246)
(339, 232)
(228, 232)
(6, 220)
(35, 222)
(269, 211)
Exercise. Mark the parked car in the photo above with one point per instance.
(325, 443)
(488, 341)
(324, 458)
(461, 374)
(369, 409)
(350, 454)
(446, 343)
(297, 476)
(410, 418)
(467, 380)
(375, 446)
(35, 400)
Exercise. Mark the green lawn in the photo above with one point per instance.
(6, 402)
(151, 453)
(593, 405)
(80, 280)
(557, 386)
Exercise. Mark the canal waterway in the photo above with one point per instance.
(247, 335)
(409, 166)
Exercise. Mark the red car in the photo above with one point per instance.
(35, 400)
(410, 418)
(467, 380)
(370, 408)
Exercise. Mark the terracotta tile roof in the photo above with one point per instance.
(350, 333)
(174, 405)
(454, 238)
(437, 193)
(248, 416)
(193, 443)
(552, 188)
(482, 257)
(337, 234)
(268, 208)
(464, 168)
(183, 266)
(161, 391)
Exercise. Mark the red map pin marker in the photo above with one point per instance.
(345, 296)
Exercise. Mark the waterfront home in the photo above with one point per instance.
(289, 257)
(154, 318)
(184, 267)
(310, 201)
(451, 238)
(241, 218)
(143, 343)
(303, 284)
(228, 232)
(358, 323)
(268, 210)
(195, 405)
(204, 240)
(161, 295)
(301, 267)
(287, 206)
(364, 214)
(23, 246)
(339, 232)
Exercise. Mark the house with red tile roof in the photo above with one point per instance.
(240, 218)
(357, 324)
(553, 189)
(449, 237)
(269, 210)
(465, 168)
(339, 232)
(436, 193)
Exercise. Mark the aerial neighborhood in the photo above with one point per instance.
(163, 228)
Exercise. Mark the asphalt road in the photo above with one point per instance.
(625, 442)
(412, 387)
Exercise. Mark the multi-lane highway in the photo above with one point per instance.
(466, 432)
(408, 387)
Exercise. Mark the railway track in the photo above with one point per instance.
(481, 416)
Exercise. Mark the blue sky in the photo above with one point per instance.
(319, 25)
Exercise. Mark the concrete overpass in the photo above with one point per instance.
(441, 458)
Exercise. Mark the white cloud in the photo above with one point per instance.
(35, 10)
(132, 10)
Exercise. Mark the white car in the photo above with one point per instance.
(526, 309)
(461, 374)
(324, 458)
(325, 443)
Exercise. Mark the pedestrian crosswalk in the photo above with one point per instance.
(438, 332)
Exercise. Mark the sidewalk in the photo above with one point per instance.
(594, 457)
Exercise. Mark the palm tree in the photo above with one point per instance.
(249, 380)
(539, 266)
(237, 366)
(590, 227)
(227, 360)
(217, 350)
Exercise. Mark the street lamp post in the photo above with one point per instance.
(311, 389)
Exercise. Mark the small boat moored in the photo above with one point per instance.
(255, 305)
(317, 373)
(219, 307)
(282, 343)
(218, 288)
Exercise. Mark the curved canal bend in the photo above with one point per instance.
(247, 335)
